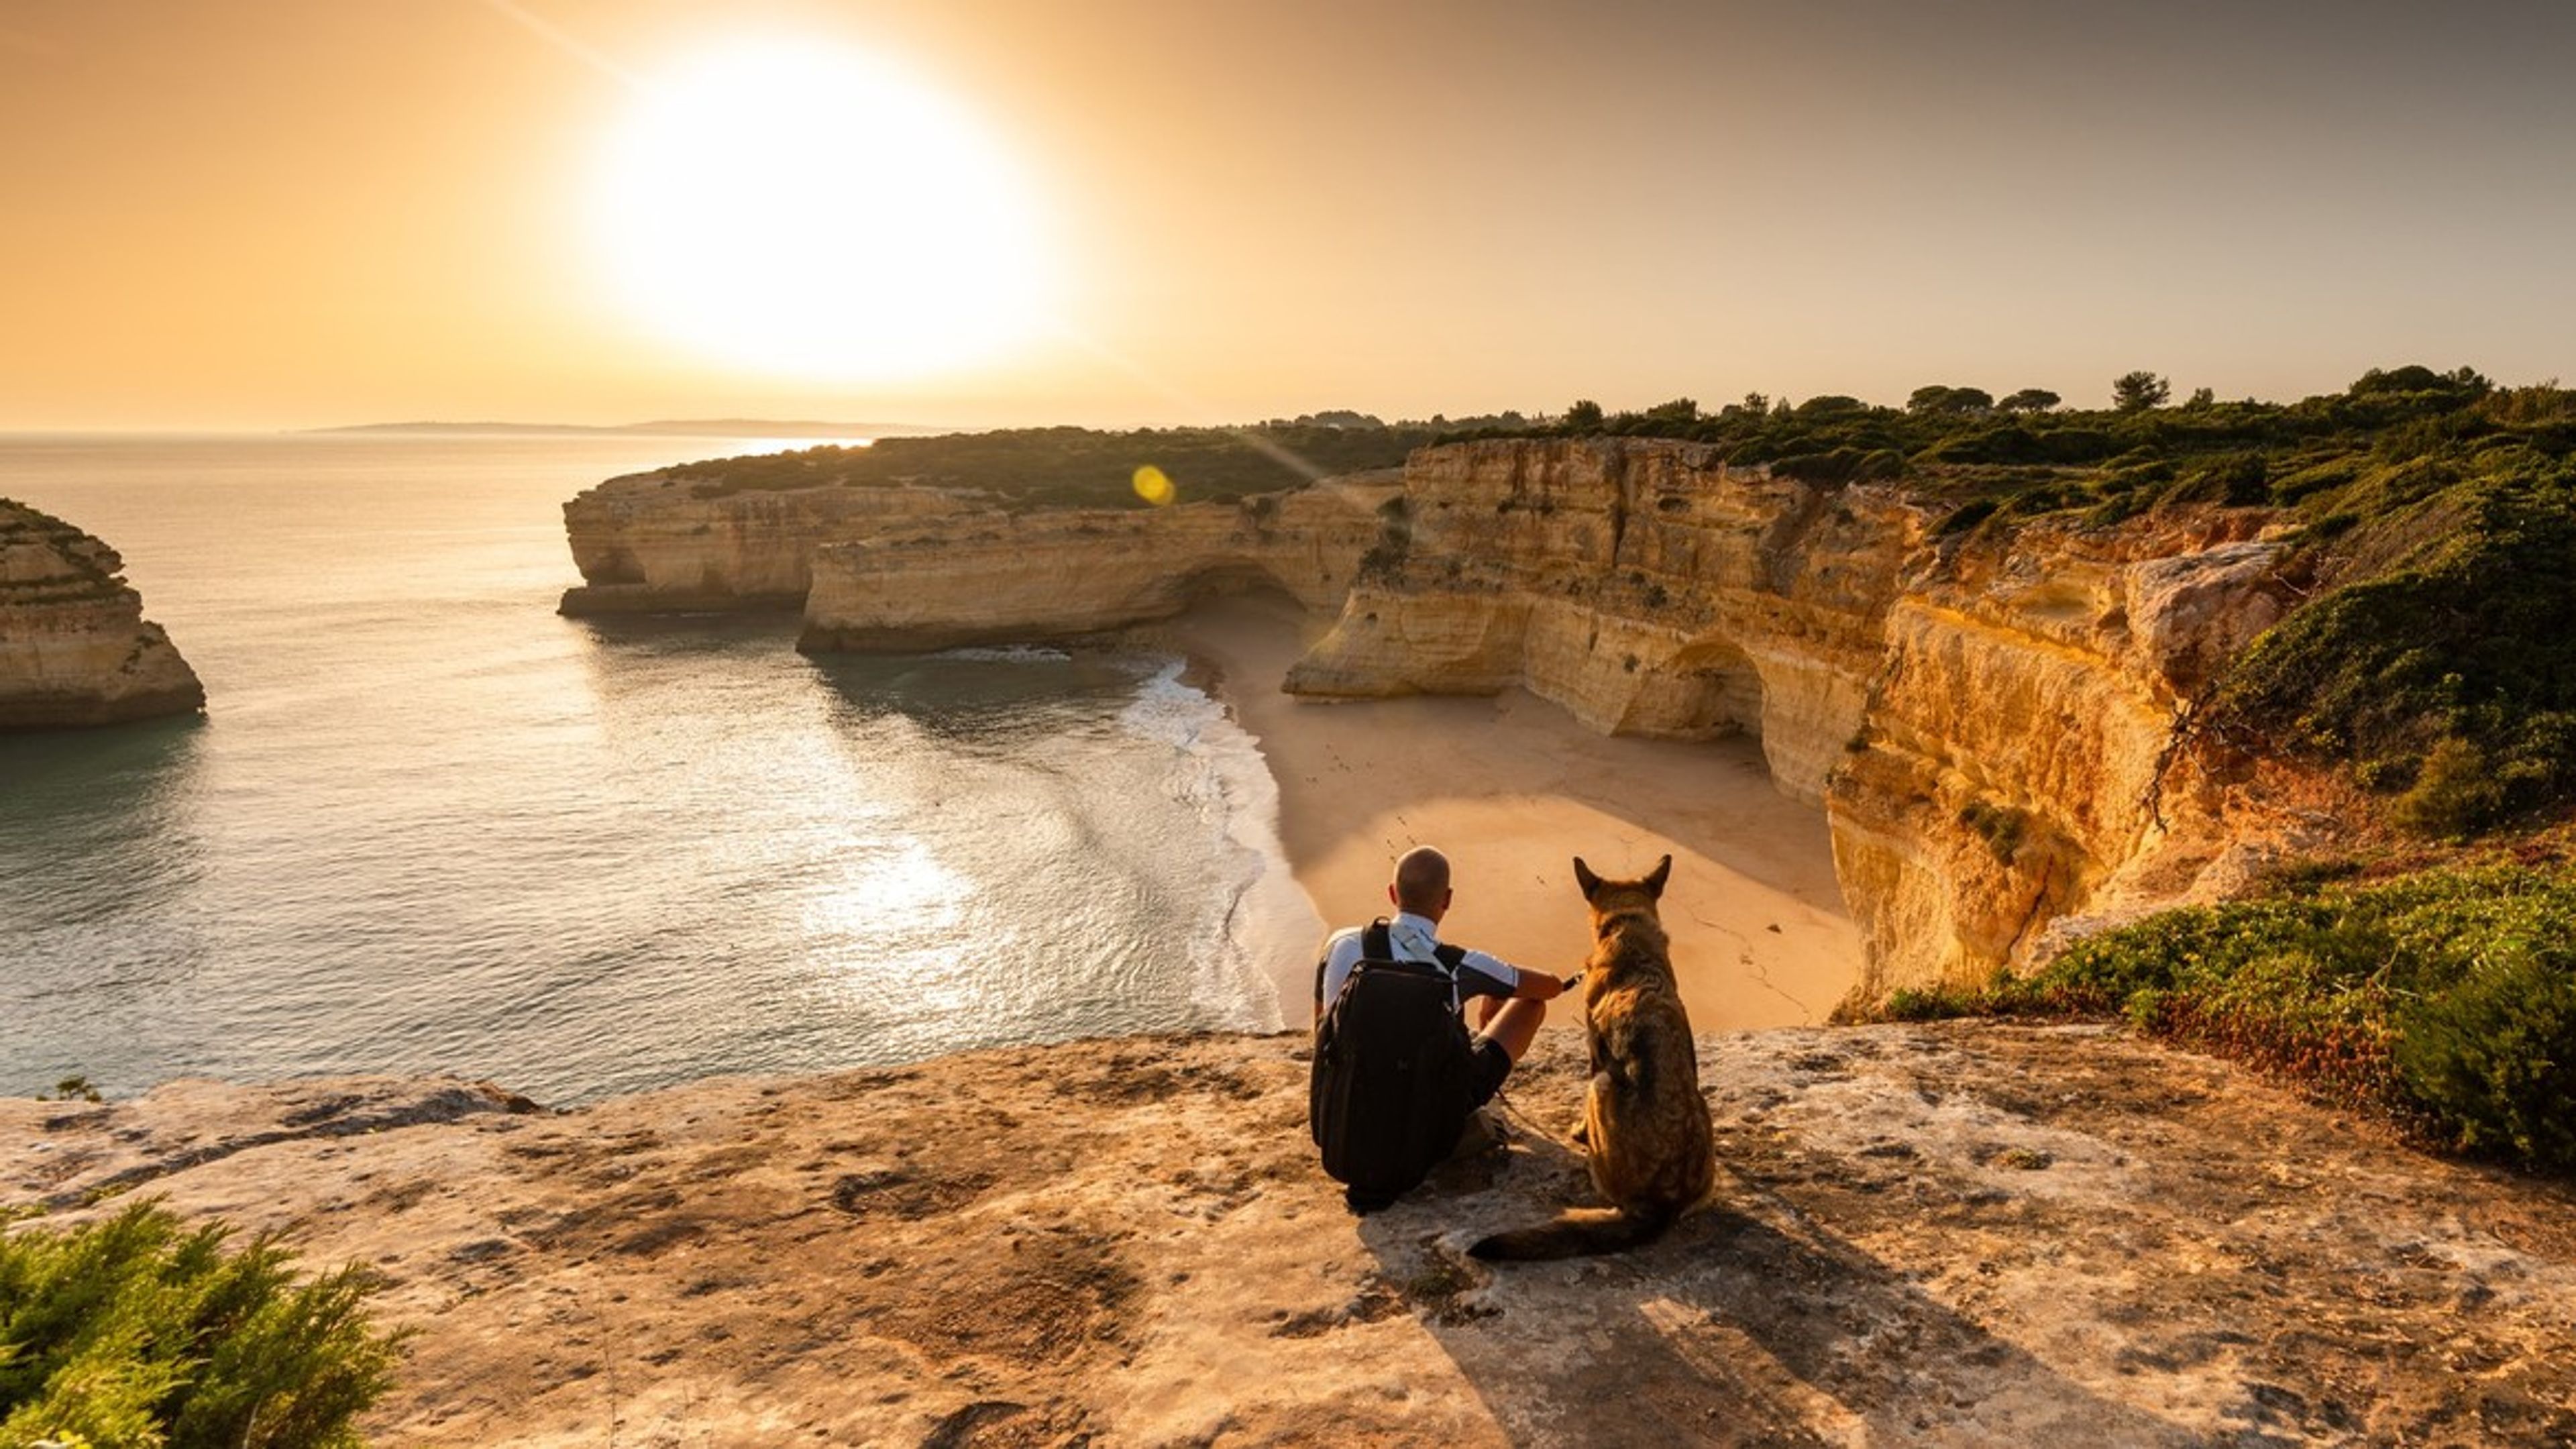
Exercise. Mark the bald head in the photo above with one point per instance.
(1422, 882)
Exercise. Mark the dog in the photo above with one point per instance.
(1645, 1129)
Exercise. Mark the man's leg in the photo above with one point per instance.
(1503, 1038)
(1512, 1024)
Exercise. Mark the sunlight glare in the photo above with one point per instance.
(806, 209)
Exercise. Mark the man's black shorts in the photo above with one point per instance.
(1489, 1065)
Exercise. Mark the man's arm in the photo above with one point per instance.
(1513, 981)
(1539, 986)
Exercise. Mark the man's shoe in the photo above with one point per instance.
(1483, 1133)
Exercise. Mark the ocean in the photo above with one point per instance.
(428, 826)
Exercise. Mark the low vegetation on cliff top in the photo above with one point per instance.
(133, 1332)
(2443, 999)
(1082, 468)
(88, 567)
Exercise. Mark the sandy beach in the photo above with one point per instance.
(1512, 789)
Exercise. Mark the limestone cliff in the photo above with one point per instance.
(652, 541)
(1992, 721)
(75, 648)
(2025, 753)
(1645, 586)
(995, 576)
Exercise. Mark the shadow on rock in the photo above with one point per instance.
(1746, 1324)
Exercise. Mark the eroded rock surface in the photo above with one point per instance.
(652, 542)
(75, 648)
(1644, 585)
(1001, 577)
(1960, 1234)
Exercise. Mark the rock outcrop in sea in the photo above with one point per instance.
(1998, 723)
(75, 648)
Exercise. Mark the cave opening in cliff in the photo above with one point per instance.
(1245, 586)
(1706, 690)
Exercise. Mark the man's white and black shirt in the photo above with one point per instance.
(1410, 938)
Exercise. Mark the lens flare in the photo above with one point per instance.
(1155, 487)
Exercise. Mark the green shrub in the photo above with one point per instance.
(1841, 465)
(2236, 479)
(2445, 1000)
(2454, 794)
(2000, 826)
(1394, 540)
(137, 1332)
(2493, 1058)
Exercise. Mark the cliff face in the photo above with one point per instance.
(74, 646)
(1992, 724)
(2024, 755)
(653, 542)
(2026, 746)
(1644, 586)
(993, 576)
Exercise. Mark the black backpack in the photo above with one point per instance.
(1394, 1075)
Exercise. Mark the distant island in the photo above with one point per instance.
(660, 428)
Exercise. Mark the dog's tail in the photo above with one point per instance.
(1576, 1233)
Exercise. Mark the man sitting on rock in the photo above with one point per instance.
(1397, 1075)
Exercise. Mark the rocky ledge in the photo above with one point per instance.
(75, 648)
(1953, 1234)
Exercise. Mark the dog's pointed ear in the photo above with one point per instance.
(1655, 878)
(1584, 877)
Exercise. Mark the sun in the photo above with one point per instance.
(802, 208)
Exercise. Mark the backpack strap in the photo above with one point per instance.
(1375, 944)
(1452, 959)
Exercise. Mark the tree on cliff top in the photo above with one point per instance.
(2135, 392)
(1955, 401)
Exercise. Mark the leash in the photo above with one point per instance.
(1512, 1109)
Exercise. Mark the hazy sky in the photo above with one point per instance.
(283, 213)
